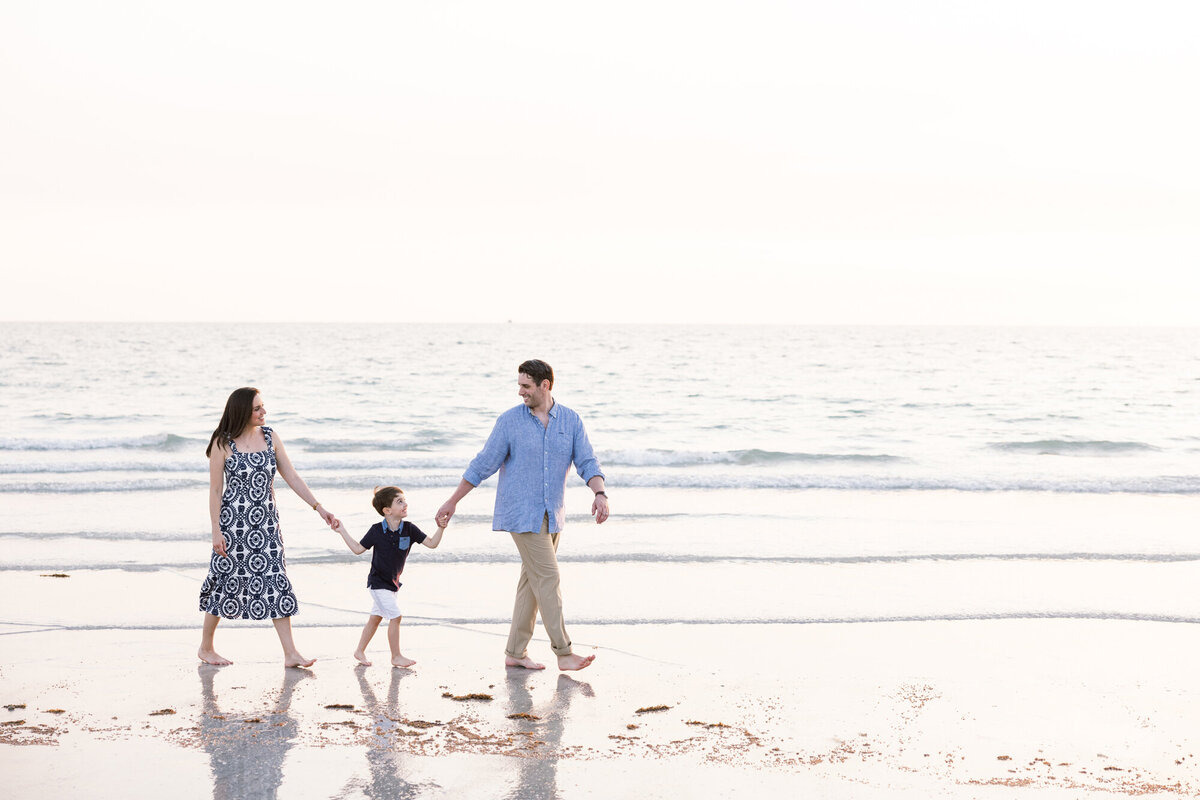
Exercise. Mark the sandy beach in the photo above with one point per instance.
(1007, 708)
(875, 655)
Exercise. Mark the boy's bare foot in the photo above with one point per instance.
(401, 661)
(297, 660)
(573, 661)
(212, 657)
(362, 658)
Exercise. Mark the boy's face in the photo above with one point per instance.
(398, 509)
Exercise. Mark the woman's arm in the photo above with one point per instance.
(216, 486)
(289, 474)
(354, 546)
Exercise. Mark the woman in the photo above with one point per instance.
(247, 576)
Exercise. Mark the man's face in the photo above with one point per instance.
(533, 394)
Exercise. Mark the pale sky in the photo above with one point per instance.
(800, 162)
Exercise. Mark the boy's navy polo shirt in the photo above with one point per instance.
(389, 550)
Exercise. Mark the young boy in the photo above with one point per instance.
(391, 540)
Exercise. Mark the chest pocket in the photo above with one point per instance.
(404, 542)
(560, 443)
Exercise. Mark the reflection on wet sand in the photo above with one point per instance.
(247, 750)
(538, 777)
(386, 763)
(248, 737)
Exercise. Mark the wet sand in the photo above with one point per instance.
(1002, 708)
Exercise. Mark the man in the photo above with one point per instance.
(533, 446)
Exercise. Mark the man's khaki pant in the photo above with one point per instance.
(538, 590)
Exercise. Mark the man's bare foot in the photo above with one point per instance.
(526, 662)
(573, 661)
(362, 658)
(297, 660)
(212, 657)
(401, 661)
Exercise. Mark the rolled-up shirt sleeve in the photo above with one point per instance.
(585, 460)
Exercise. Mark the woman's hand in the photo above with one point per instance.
(329, 518)
(218, 542)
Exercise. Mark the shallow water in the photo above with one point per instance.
(787, 474)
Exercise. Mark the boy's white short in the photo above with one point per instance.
(383, 603)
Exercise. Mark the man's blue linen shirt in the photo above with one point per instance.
(533, 463)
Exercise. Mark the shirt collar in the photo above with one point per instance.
(386, 529)
(553, 409)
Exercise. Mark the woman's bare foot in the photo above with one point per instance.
(212, 657)
(297, 660)
(362, 658)
(573, 661)
(526, 662)
(401, 661)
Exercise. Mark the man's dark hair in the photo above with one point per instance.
(538, 370)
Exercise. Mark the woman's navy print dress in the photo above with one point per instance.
(250, 581)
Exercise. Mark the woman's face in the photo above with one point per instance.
(258, 412)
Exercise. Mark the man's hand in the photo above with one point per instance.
(445, 513)
(600, 508)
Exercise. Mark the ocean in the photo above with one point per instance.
(777, 474)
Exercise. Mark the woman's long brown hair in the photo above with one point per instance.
(238, 409)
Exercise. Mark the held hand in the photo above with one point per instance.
(600, 508)
(218, 542)
(329, 518)
(445, 513)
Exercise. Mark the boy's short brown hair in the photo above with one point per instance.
(384, 495)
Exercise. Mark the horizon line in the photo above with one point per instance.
(629, 324)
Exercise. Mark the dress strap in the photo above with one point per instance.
(267, 435)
